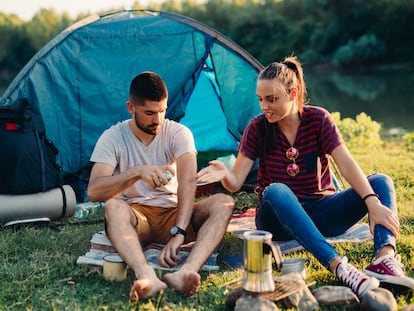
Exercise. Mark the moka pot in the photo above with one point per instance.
(258, 252)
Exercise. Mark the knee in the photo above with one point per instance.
(110, 205)
(383, 185)
(276, 192)
(381, 181)
(223, 202)
(278, 197)
(113, 207)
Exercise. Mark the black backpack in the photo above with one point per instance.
(27, 157)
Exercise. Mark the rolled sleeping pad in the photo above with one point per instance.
(53, 204)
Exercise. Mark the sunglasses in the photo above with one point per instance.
(292, 154)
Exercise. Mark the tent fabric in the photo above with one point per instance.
(209, 132)
(80, 80)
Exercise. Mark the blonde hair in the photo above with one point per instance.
(290, 74)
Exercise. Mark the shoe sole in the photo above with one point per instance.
(389, 279)
(372, 283)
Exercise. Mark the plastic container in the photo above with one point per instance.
(167, 175)
(86, 209)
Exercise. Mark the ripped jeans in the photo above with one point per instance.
(310, 221)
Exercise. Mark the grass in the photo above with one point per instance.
(38, 269)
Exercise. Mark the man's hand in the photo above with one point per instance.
(155, 175)
(168, 257)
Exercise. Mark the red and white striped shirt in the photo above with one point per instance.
(316, 138)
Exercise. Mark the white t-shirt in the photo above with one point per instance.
(119, 147)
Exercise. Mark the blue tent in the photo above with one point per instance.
(79, 81)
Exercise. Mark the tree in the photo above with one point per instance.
(45, 25)
(15, 47)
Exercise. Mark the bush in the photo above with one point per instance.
(367, 49)
(409, 141)
(360, 134)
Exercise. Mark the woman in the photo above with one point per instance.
(297, 196)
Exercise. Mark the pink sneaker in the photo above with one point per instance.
(357, 280)
(389, 269)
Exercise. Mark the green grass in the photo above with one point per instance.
(38, 269)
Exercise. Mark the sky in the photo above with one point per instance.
(26, 9)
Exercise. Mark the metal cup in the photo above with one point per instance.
(257, 253)
(294, 265)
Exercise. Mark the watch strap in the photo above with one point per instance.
(180, 231)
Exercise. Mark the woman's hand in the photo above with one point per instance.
(216, 171)
(382, 215)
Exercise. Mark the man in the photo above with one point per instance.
(133, 161)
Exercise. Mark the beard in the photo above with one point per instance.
(151, 129)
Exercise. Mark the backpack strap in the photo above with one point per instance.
(42, 160)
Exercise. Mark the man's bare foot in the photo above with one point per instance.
(186, 282)
(144, 288)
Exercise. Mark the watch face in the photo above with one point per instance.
(177, 230)
(174, 230)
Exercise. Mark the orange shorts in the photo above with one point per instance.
(154, 224)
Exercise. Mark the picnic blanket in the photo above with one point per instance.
(101, 246)
(243, 222)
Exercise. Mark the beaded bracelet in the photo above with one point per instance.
(370, 195)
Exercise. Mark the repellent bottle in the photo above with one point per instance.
(86, 209)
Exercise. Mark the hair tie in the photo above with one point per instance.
(370, 195)
(291, 66)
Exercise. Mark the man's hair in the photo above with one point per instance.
(147, 86)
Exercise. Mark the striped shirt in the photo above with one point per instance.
(316, 138)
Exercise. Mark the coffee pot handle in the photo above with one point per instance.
(277, 253)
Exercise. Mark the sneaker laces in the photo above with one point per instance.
(350, 275)
(394, 264)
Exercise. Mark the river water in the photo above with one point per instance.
(386, 96)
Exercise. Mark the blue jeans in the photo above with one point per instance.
(310, 221)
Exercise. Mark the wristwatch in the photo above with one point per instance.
(177, 230)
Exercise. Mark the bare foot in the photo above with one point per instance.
(144, 288)
(186, 282)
